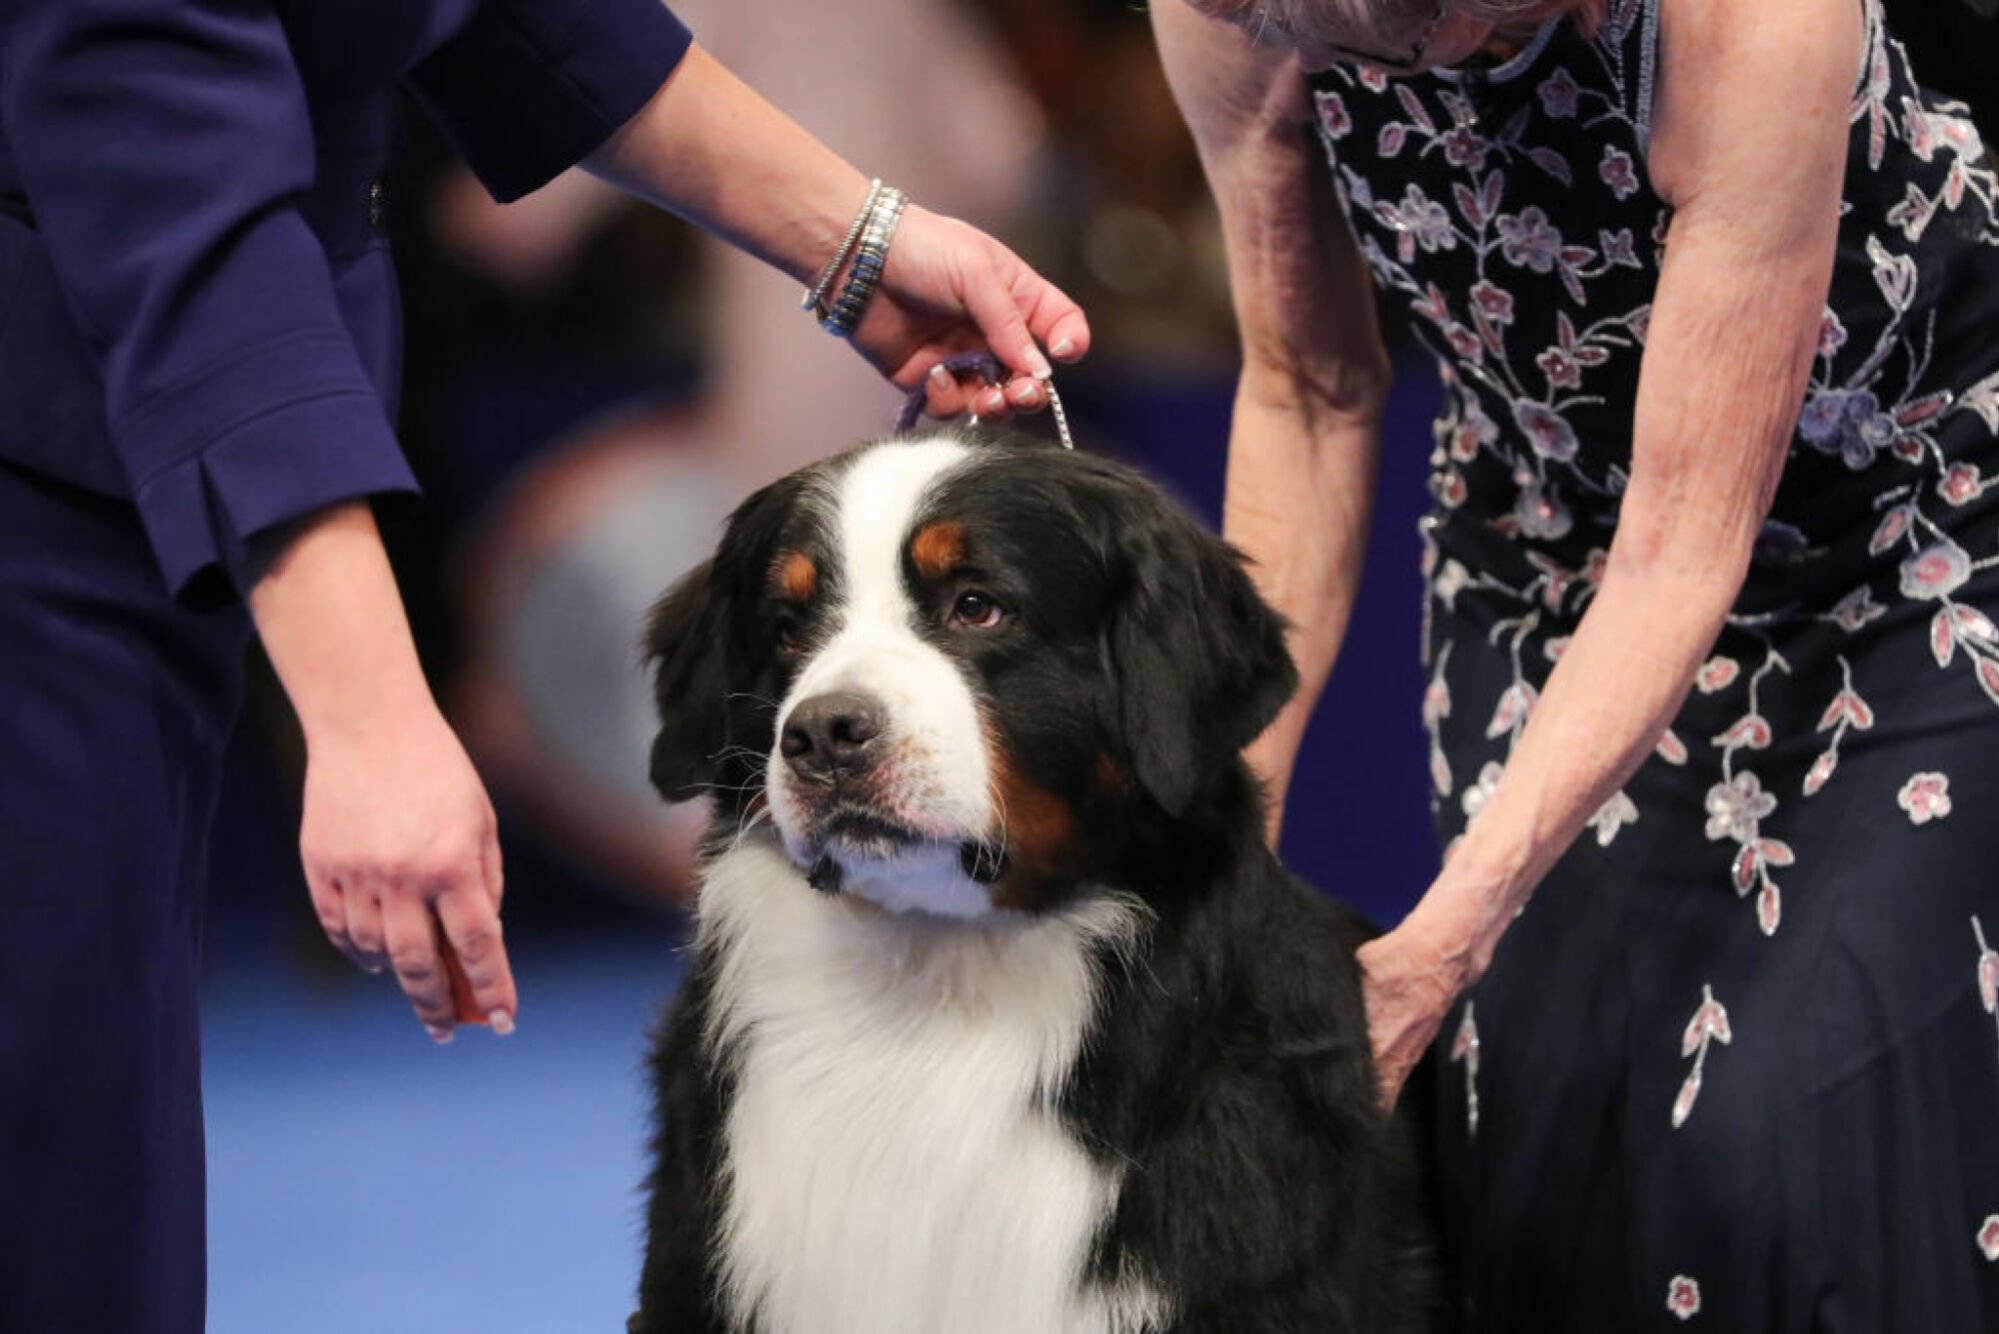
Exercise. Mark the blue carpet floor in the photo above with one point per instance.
(362, 1179)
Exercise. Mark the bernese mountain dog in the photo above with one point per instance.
(1000, 1015)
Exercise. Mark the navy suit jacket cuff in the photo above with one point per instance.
(529, 88)
(326, 440)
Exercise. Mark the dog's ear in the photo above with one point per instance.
(698, 641)
(687, 642)
(1197, 656)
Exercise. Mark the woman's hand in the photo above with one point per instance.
(402, 858)
(948, 289)
(713, 151)
(1409, 985)
(398, 837)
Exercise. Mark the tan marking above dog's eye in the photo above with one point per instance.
(794, 577)
(937, 549)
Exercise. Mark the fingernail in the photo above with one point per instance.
(1065, 348)
(992, 401)
(940, 376)
(1024, 393)
(441, 1036)
(1038, 364)
(501, 1023)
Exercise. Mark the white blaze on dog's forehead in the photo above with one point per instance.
(879, 499)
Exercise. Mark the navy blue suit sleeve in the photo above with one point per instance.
(161, 143)
(528, 88)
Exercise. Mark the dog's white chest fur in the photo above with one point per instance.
(894, 1163)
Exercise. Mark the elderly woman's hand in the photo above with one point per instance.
(949, 289)
(1409, 983)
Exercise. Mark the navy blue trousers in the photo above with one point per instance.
(115, 707)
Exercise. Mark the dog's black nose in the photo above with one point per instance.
(832, 734)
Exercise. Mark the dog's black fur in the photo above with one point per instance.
(1228, 1064)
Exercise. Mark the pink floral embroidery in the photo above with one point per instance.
(1856, 609)
(1436, 708)
(1465, 147)
(1936, 571)
(1619, 173)
(1495, 303)
(1894, 526)
(1515, 703)
(1683, 1297)
(1619, 248)
(1735, 807)
(1548, 432)
(1465, 342)
(1474, 798)
(1717, 673)
(1960, 484)
(1528, 241)
(1709, 1025)
(1847, 710)
(1848, 423)
(1612, 816)
(1988, 995)
(1558, 94)
(1333, 117)
(1751, 732)
(1988, 971)
(1926, 797)
(1847, 707)
(1540, 513)
(1958, 624)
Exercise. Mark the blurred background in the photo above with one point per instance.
(591, 386)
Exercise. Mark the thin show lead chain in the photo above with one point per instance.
(1047, 382)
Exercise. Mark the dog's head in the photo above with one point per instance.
(939, 663)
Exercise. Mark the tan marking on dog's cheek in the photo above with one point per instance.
(937, 549)
(795, 578)
(1038, 831)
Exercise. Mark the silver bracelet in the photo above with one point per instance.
(817, 292)
(870, 255)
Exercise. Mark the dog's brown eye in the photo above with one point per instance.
(977, 611)
(785, 634)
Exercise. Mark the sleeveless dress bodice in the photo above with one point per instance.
(1736, 1059)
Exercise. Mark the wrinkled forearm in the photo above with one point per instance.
(1618, 685)
(1299, 501)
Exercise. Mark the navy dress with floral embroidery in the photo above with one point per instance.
(1737, 1063)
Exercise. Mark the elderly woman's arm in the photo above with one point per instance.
(1734, 323)
(1303, 442)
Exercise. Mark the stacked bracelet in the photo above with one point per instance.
(816, 293)
(870, 250)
